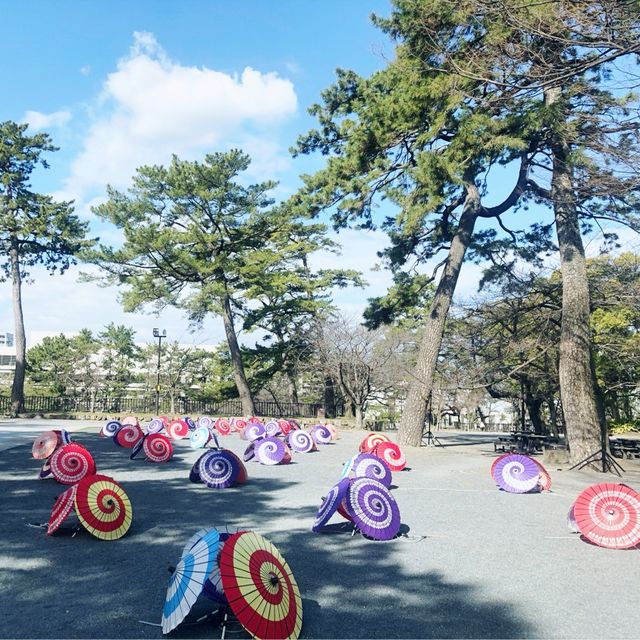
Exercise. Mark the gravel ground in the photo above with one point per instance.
(475, 562)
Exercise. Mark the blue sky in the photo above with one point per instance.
(121, 84)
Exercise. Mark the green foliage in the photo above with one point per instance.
(617, 428)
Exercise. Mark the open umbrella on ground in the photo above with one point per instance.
(608, 515)
(199, 438)
(301, 441)
(45, 472)
(330, 504)
(249, 452)
(320, 434)
(333, 431)
(218, 469)
(270, 451)
(187, 581)
(64, 437)
(370, 466)
(544, 481)
(61, 509)
(129, 435)
(348, 466)
(260, 587)
(204, 421)
(111, 428)
(103, 507)
(157, 447)
(138, 446)
(178, 429)
(285, 427)
(392, 455)
(373, 509)
(272, 428)
(223, 427)
(571, 521)
(495, 462)
(370, 441)
(242, 469)
(45, 444)
(516, 473)
(71, 463)
(254, 431)
(155, 426)
(130, 420)
(212, 587)
(190, 423)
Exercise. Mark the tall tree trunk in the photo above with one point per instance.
(359, 416)
(329, 398)
(415, 408)
(236, 360)
(576, 383)
(17, 389)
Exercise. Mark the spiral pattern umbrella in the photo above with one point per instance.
(284, 425)
(608, 515)
(516, 473)
(129, 435)
(391, 454)
(71, 463)
(103, 507)
(138, 446)
(157, 448)
(178, 429)
(544, 481)
(61, 509)
(301, 441)
(194, 474)
(321, 435)
(249, 452)
(330, 504)
(272, 428)
(373, 509)
(223, 427)
(199, 438)
(111, 428)
(218, 469)
(254, 431)
(260, 587)
(270, 451)
(191, 425)
(45, 472)
(366, 465)
(45, 444)
(239, 424)
(370, 441)
(187, 581)
(155, 426)
(204, 421)
(495, 462)
(242, 476)
(333, 431)
(130, 420)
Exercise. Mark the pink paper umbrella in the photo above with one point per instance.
(391, 454)
(61, 509)
(178, 429)
(222, 426)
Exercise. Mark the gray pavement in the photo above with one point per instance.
(475, 562)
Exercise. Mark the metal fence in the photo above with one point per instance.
(182, 406)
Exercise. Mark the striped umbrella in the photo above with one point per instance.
(285, 427)
(330, 504)
(199, 438)
(187, 581)
(495, 462)
(301, 441)
(370, 441)
(61, 509)
(254, 431)
(391, 454)
(320, 434)
(249, 452)
(222, 426)
(130, 420)
(190, 423)
(242, 476)
(157, 448)
(103, 507)
(270, 451)
(156, 425)
(138, 447)
(71, 463)
(218, 469)
(45, 444)
(129, 435)
(516, 473)
(544, 481)
(212, 587)
(178, 429)
(608, 515)
(111, 428)
(347, 467)
(45, 472)
(204, 421)
(260, 587)
(373, 509)
(64, 437)
(272, 428)
(366, 465)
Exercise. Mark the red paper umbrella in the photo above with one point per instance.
(61, 509)
(157, 448)
(285, 427)
(178, 429)
(131, 420)
(343, 510)
(242, 472)
(608, 515)
(44, 445)
(71, 463)
(371, 440)
(222, 426)
(544, 481)
(129, 435)
(260, 587)
(391, 453)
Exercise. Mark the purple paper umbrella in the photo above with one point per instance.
(155, 426)
(300, 441)
(571, 521)
(516, 473)
(270, 450)
(321, 435)
(373, 509)
(194, 474)
(254, 431)
(272, 428)
(190, 423)
(199, 438)
(217, 469)
(249, 452)
(366, 465)
(45, 472)
(111, 428)
(204, 421)
(330, 504)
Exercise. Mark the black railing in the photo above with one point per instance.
(182, 406)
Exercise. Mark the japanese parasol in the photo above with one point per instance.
(272, 428)
(199, 437)
(61, 508)
(239, 424)
(516, 473)
(178, 429)
(111, 428)
(242, 476)
(348, 466)
(260, 588)
(373, 509)
(138, 446)
(130, 420)
(204, 421)
(187, 581)
(194, 474)
(45, 472)
(330, 504)
(495, 462)
(368, 465)
(608, 515)
(64, 437)
(103, 507)
(270, 451)
(321, 434)
(371, 440)
(45, 444)
(249, 452)
(254, 431)
(544, 481)
(156, 425)
(218, 469)
(157, 447)
(191, 425)
(301, 441)
(392, 455)
(333, 431)
(212, 587)
(223, 427)
(571, 521)
(71, 463)
(285, 427)
(129, 435)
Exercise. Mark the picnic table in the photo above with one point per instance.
(521, 442)
(625, 447)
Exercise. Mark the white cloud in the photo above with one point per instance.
(152, 106)
(86, 70)
(38, 120)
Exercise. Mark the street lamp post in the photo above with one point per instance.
(159, 335)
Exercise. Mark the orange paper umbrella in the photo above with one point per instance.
(371, 440)
(44, 445)
(103, 507)
(71, 463)
(61, 509)
(260, 587)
